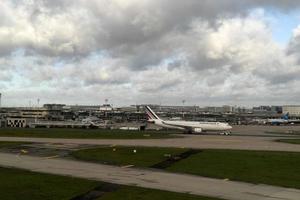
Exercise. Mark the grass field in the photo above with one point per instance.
(290, 141)
(144, 156)
(287, 132)
(273, 168)
(25, 185)
(135, 193)
(10, 144)
(84, 133)
(19, 184)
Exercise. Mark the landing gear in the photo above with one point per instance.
(225, 133)
(188, 132)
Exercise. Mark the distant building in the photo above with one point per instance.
(17, 122)
(24, 112)
(54, 106)
(168, 109)
(293, 110)
(276, 109)
(241, 110)
(132, 108)
(220, 109)
(83, 108)
(267, 110)
(106, 107)
(261, 109)
(2, 123)
(54, 111)
(228, 109)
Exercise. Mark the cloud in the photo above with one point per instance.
(294, 44)
(64, 28)
(146, 50)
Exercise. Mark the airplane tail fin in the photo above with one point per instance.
(151, 114)
(286, 116)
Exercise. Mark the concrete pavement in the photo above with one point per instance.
(190, 141)
(183, 183)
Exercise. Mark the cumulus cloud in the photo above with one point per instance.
(150, 51)
(294, 45)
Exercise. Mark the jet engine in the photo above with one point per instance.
(197, 130)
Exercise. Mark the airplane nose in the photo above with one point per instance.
(227, 126)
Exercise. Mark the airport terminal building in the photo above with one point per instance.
(293, 110)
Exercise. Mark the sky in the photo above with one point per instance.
(208, 52)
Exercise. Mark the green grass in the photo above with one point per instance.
(84, 133)
(273, 168)
(287, 132)
(290, 141)
(11, 144)
(135, 193)
(25, 185)
(144, 156)
(20, 184)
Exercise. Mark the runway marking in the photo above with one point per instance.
(127, 166)
(220, 140)
(267, 196)
(49, 157)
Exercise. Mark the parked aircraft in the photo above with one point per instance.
(283, 120)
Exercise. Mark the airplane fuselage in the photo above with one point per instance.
(193, 126)
(281, 121)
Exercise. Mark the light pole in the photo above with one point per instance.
(183, 101)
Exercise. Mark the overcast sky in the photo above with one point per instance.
(207, 52)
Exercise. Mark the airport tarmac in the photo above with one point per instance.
(262, 130)
(189, 141)
(155, 179)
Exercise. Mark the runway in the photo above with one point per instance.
(190, 141)
(183, 183)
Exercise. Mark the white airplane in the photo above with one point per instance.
(93, 121)
(189, 126)
(283, 120)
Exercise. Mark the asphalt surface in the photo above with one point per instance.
(243, 137)
(191, 141)
(259, 130)
(151, 179)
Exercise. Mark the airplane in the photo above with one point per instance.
(188, 126)
(93, 122)
(283, 120)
